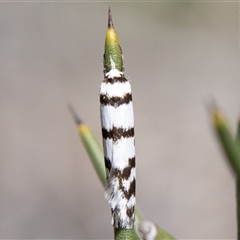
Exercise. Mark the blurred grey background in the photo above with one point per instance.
(178, 56)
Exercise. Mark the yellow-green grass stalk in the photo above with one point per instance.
(91, 145)
(226, 139)
(231, 149)
(238, 180)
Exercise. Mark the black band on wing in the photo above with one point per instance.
(115, 80)
(115, 101)
(117, 133)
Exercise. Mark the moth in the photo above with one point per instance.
(117, 120)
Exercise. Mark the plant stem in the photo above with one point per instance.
(124, 234)
(231, 147)
(238, 183)
(238, 206)
(91, 145)
(227, 140)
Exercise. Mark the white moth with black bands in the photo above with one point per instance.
(119, 147)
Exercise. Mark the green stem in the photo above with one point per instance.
(91, 145)
(231, 147)
(238, 184)
(238, 207)
(227, 140)
(238, 133)
(124, 234)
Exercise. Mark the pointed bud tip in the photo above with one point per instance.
(217, 115)
(76, 118)
(215, 112)
(112, 48)
(110, 21)
(211, 105)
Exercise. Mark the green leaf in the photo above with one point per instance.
(238, 132)
(226, 139)
(91, 145)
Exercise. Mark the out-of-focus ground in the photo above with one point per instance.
(178, 56)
